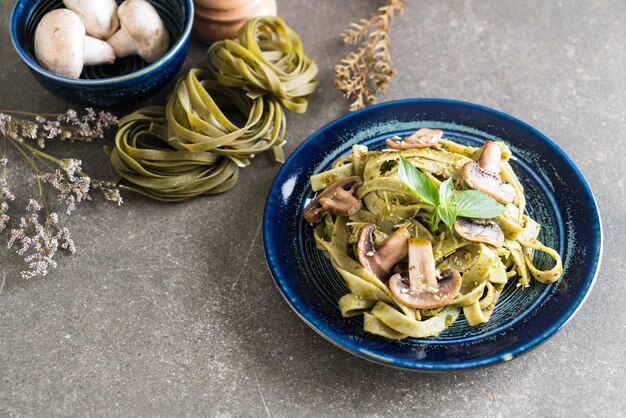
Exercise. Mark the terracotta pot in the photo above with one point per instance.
(215, 20)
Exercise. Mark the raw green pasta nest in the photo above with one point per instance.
(388, 204)
(266, 57)
(216, 120)
(190, 147)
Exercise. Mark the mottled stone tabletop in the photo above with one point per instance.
(147, 319)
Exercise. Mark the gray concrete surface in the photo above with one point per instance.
(148, 319)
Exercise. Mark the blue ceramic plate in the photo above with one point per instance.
(558, 197)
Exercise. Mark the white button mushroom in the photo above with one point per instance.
(98, 16)
(62, 47)
(142, 33)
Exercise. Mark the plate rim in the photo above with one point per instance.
(417, 365)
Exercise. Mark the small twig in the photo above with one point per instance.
(367, 71)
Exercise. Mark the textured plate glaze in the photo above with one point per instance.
(558, 198)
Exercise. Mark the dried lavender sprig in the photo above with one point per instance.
(110, 190)
(72, 189)
(38, 243)
(35, 240)
(71, 180)
(5, 196)
(66, 127)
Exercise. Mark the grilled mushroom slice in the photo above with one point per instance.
(485, 175)
(336, 199)
(390, 252)
(479, 230)
(424, 288)
(422, 138)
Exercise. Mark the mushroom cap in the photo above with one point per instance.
(490, 157)
(144, 25)
(422, 138)
(487, 182)
(99, 17)
(336, 199)
(479, 230)
(59, 43)
(449, 284)
(380, 261)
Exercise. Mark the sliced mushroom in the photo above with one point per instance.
(99, 17)
(336, 199)
(422, 138)
(424, 288)
(479, 230)
(490, 157)
(390, 252)
(485, 175)
(486, 182)
(62, 47)
(142, 33)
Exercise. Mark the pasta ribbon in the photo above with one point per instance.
(267, 56)
(190, 147)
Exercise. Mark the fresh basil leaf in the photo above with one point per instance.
(475, 204)
(447, 208)
(447, 213)
(446, 192)
(423, 187)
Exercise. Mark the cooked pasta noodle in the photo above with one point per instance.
(385, 201)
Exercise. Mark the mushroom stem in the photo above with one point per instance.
(123, 44)
(425, 289)
(422, 274)
(98, 52)
(490, 157)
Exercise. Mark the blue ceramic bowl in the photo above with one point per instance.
(128, 79)
(558, 197)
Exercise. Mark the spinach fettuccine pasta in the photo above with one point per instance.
(425, 230)
(267, 56)
(217, 119)
(190, 147)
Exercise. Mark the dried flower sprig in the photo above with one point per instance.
(38, 235)
(366, 71)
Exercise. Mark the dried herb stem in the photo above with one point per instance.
(367, 70)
